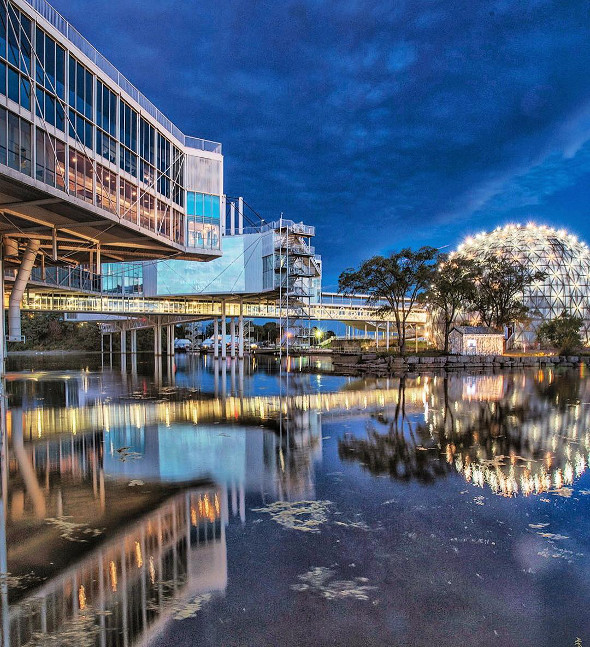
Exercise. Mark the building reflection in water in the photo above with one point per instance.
(514, 433)
(73, 475)
(123, 591)
(160, 480)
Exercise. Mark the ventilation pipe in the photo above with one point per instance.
(10, 248)
(240, 215)
(20, 283)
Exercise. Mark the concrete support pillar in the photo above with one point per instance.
(223, 380)
(18, 289)
(241, 378)
(170, 340)
(133, 341)
(240, 215)
(158, 340)
(232, 218)
(387, 332)
(216, 377)
(376, 334)
(241, 332)
(216, 337)
(232, 334)
(123, 342)
(111, 344)
(223, 331)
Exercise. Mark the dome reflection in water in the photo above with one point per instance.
(514, 433)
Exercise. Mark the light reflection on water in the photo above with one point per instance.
(118, 494)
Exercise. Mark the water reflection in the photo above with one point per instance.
(162, 566)
(513, 433)
(115, 503)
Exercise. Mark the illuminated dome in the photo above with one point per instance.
(564, 259)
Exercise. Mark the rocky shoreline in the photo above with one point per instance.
(374, 364)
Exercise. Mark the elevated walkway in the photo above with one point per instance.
(202, 307)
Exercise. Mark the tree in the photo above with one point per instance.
(393, 283)
(451, 290)
(500, 286)
(563, 333)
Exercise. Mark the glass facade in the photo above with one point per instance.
(203, 217)
(74, 130)
(122, 278)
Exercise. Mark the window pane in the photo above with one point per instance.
(13, 80)
(190, 203)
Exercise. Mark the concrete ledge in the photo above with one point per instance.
(373, 364)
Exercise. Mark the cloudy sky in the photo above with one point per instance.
(385, 124)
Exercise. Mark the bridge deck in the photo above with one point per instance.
(203, 307)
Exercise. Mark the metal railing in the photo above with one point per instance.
(44, 9)
(296, 228)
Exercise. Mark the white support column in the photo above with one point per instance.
(232, 334)
(133, 341)
(240, 215)
(223, 214)
(123, 342)
(232, 218)
(387, 333)
(216, 337)
(170, 340)
(158, 339)
(376, 334)
(223, 331)
(241, 332)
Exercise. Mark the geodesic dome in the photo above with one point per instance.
(559, 254)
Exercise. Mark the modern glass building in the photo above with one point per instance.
(79, 141)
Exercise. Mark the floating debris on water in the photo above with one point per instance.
(358, 525)
(135, 482)
(125, 454)
(19, 581)
(317, 581)
(563, 491)
(479, 500)
(72, 531)
(80, 631)
(538, 526)
(306, 516)
(550, 535)
(185, 610)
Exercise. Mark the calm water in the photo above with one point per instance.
(208, 503)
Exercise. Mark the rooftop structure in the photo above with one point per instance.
(560, 255)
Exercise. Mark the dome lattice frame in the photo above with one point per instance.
(564, 259)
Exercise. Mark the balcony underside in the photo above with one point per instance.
(30, 209)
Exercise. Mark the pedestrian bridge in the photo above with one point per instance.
(207, 307)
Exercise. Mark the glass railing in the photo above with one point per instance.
(295, 227)
(75, 37)
(66, 277)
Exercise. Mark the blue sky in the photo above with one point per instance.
(385, 124)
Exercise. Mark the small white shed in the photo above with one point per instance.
(476, 340)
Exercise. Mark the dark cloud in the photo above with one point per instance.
(384, 124)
